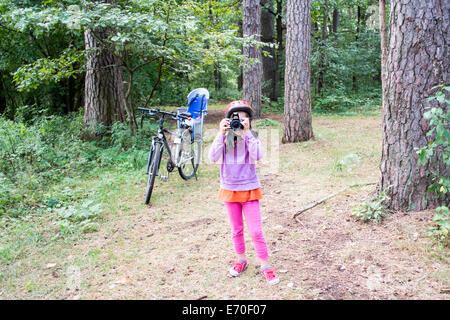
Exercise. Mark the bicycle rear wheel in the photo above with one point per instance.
(190, 156)
(154, 165)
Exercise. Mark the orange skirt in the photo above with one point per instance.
(240, 196)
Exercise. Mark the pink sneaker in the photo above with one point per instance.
(270, 275)
(238, 268)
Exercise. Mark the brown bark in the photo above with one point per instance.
(217, 77)
(335, 23)
(3, 100)
(358, 27)
(268, 62)
(383, 29)
(279, 50)
(418, 59)
(321, 80)
(297, 96)
(252, 74)
(240, 79)
(104, 96)
(104, 91)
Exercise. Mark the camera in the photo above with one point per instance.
(235, 122)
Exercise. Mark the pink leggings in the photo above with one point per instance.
(253, 218)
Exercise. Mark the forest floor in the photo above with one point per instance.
(180, 246)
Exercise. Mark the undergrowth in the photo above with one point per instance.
(45, 166)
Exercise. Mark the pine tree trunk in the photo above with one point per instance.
(268, 62)
(252, 74)
(358, 30)
(104, 91)
(297, 95)
(383, 41)
(217, 77)
(418, 59)
(240, 79)
(335, 22)
(279, 50)
(321, 79)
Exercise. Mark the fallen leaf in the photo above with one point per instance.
(50, 265)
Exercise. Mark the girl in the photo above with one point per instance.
(240, 188)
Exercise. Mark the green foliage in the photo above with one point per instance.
(266, 123)
(169, 47)
(274, 106)
(34, 156)
(225, 94)
(340, 102)
(45, 70)
(373, 209)
(440, 227)
(439, 144)
(438, 133)
(78, 217)
(346, 162)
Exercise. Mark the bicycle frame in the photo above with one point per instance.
(161, 140)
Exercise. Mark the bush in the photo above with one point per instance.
(440, 226)
(339, 102)
(225, 94)
(439, 136)
(34, 156)
(373, 209)
(81, 217)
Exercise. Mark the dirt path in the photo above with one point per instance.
(179, 248)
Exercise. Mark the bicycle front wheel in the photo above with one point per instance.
(154, 164)
(190, 156)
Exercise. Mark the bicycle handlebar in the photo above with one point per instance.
(172, 114)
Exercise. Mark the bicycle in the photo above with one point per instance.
(162, 160)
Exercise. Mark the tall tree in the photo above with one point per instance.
(321, 80)
(335, 23)
(417, 61)
(104, 90)
(268, 60)
(297, 96)
(358, 30)
(280, 50)
(240, 79)
(383, 41)
(252, 74)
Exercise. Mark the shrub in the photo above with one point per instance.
(440, 143)
(34, 156)
(373, 209)
(440, 226)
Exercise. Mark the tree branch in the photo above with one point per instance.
(330, 196)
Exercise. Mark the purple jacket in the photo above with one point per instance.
(237, 171)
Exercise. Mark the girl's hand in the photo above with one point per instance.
(224, 125)
(246, 123)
